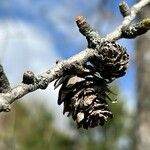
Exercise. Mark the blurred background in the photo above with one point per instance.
(36, 33)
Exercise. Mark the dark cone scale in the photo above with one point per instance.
(111, 60)
(85, 99)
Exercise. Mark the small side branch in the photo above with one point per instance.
(124, 9)
(92, 36)
(117, 34)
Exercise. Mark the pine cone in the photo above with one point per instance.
(111, 60)
(85, 95)
(85, 98)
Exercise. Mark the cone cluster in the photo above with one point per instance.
(85, 96)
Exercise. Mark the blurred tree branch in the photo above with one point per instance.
(4, 83)
(76, 63)
(142, 132)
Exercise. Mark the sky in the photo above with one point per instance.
(34, 34)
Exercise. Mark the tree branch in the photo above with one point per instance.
(117, 34)
(74, 64)
(41, 81)
(136, 29)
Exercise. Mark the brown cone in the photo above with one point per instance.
(111, 60)
(85, 96)
(86, 100)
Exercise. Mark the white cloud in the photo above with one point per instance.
(23, 47)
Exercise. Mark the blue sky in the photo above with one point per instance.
(34, 33)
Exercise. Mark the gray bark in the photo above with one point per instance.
(143, 88)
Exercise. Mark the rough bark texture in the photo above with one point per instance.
(143, 88)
